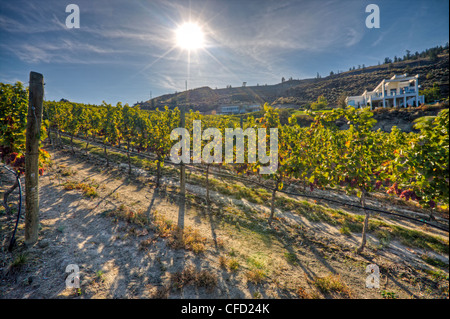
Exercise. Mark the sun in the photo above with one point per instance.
(189, 36)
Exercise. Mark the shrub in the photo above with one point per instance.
(332, 283)
(255, 275)
(321, 103)
(191, 276)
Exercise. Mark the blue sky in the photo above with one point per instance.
(124, 50)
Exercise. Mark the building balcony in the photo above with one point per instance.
(378, 97)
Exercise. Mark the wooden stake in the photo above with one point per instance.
(182, 166)
(182, 179)
(33, 132)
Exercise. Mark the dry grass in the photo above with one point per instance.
(220, 243)
(67, 172)
(191, 276)
(223, 261)
(123, 212)
(233, 264)
(303, 294)
(206, 279)
(88, 190)
(162, 292)
(332, 284)
(19, 261)
(188, 238)
(144, 244)
(255, 276)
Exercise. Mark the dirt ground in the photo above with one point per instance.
(121, 259)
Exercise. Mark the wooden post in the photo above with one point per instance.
(183, 168)
(366, 223)
(34, 120)
(182, 202)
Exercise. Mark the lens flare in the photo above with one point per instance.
(190, 36)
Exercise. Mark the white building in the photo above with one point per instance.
(237, 109)
(231, 109)
(398, 91)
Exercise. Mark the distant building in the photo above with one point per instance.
(239, 109)
(398, 91)
(253, 108)
(230, 109)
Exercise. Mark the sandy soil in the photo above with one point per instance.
(76, 229)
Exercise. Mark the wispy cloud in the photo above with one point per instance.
(256, 41)
(27, 17)
(265, 35)
(62, 51)
(97, 41)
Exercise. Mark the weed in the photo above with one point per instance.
(291, 258)
(345, 230)
(256, 261)
(67, 172)
(220, 243)
(332, 283)
(19, 261)
(388, 294)
(255, 276)
(223, 261)
(437, 275)
(302, 294)
(164, 227)
(183, 278)
(257, 295)
(100, 276)
(206, 279)
(162, 292)
(144, 244)
(125, 213)
(434, 261)
(190, 275)
(384, 235)
(414, 238)
(187, 238)
(232, 253)
(88, 191)
(193, 240)
(233, 264)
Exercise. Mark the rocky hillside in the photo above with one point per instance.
(300, 92)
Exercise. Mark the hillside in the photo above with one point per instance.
(301, 92)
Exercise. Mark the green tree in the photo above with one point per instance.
(341, 102)
(320, 104)
(432, 94)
